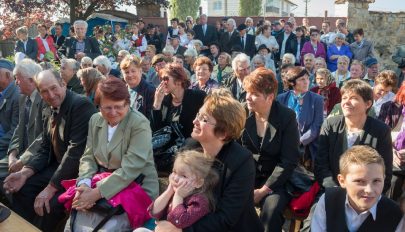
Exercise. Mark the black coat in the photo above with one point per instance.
(226, 41)
(191, 104)
(249, 48)
(333, 143)
(180, 50)
(71, 126)
(233, 195)
(288, 45)
(230, 82)
(209, 37)
(58, 41)
(279, 150)
(91, 47)
(294, 46)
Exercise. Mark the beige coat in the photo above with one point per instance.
(129, 153)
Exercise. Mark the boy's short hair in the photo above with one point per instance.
(359, 155)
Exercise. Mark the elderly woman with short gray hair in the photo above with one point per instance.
(338, 48)
(103, 64)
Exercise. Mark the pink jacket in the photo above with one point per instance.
(133, 199)
(307, 48)
(184, 215)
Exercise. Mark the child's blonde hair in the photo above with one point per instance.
(202, 166)
(359, 155)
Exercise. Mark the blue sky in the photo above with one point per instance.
(317, 7)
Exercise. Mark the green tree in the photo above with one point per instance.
(14, 10)
(183, 8)
(250, 7)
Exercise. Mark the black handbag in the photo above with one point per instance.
(300, 181)
(103, 207)
(161, 137)
(166, 142)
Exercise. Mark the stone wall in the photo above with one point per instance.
(385, 29)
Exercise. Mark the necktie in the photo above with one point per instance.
(204, 28)
(28, 104)
(27, 109)
(242, 43)
(54, 136)
(53, 117)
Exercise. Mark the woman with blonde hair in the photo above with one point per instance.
(141, 92)
(217, 126)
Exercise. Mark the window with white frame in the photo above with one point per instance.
(217, 5)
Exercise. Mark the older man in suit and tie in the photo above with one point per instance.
(25, 44)
(27, 135)
(80, 46)
(204, 32)
(37, 185)
(229, 36)
(9, 94)
(246, 41)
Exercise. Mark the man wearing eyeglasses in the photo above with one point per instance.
(63, 142)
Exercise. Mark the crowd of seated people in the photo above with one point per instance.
(241, 121)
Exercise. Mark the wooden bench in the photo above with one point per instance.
(16, 223)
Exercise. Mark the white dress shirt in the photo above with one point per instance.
(353, 219)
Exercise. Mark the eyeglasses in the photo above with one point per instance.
(115, 107)
(202, 118)
(314, 35)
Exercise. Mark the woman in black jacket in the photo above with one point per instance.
(271, 134)
(174, 102)
(218, 124)
(174, 107)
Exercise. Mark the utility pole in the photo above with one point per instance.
(306, 7)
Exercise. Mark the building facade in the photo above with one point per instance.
(276, 8)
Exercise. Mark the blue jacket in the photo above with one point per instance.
(310, 120)
(31, 49)
(8, 116)
(332, 50)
